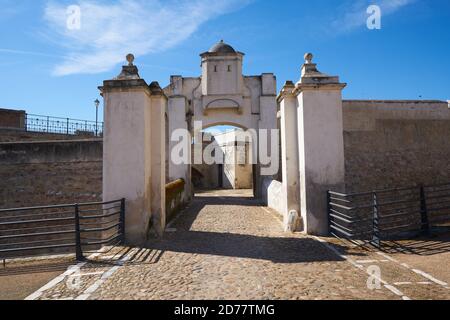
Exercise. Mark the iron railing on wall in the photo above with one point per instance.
(67, 126)
(371, 217)
(61, 228)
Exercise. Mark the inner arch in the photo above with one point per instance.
(234, 172)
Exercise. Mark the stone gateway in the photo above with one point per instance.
(321, 141)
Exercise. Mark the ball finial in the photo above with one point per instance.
(308, 57)
(130, 59)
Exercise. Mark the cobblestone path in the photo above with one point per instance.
(225, 248)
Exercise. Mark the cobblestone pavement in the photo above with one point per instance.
(232, 248)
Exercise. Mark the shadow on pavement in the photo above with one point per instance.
(278, 250)
(438, 242)
(43, 266)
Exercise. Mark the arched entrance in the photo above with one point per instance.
(222, 96)
(230, 148)
(134, 144)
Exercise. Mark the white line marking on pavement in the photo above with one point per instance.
(70, 270)
(387, 257)
(35, 295)
(405, 283)
(361, 267)
(91, 289)
(430, 277)
(419, 272)
(370, 261)
(395, 290)
(356, 264)
(86, 274)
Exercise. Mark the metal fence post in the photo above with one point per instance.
(424, 212)
(78, 250)
(67, 128)
(376, 221)
(329, 212)
(122, 219)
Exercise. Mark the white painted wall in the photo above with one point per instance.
(290, 151)
(321, 154)
(158, 162)
(273, 195)
(223, 97)
(127, 150)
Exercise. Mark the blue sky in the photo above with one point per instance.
(51, 70)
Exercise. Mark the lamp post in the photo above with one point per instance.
(97, 103)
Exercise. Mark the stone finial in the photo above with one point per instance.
(130, 59)
(310, 75)
(130, 71)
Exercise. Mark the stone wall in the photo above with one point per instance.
(13, 135)
(51, 172)
(396, 143)
(12, 118)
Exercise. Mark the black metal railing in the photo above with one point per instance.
(67, 126)
(61, 228)
(371, 217)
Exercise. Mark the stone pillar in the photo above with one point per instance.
(158, 158)
(268, 121)
(321, 143)
(289, 149)
(128, 148)
(177, 111)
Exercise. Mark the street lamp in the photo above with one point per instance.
(97, 103)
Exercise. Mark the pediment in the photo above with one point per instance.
(222, 104)
(227, 102)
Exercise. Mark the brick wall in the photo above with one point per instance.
(55, 172)
(396, 143)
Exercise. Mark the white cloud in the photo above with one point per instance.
(110, 30)
(353, 14)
